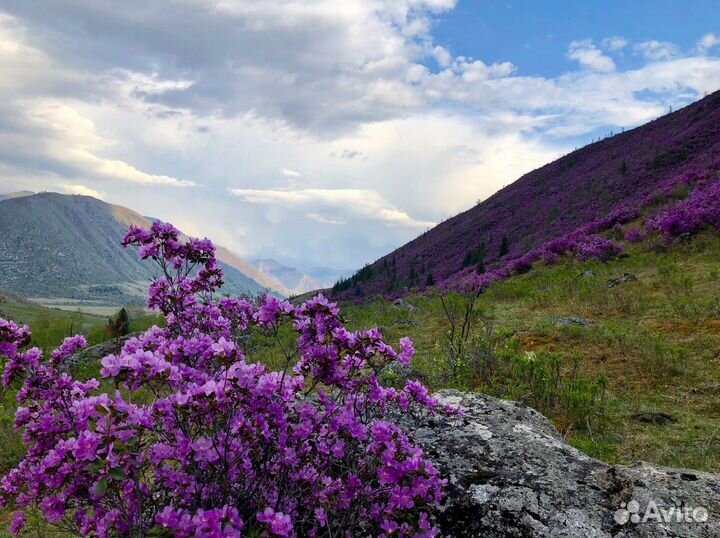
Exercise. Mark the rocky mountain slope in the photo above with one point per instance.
(56, 245)
(552, 201)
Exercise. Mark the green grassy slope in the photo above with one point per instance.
(653, 345)
(650, 346)
(49, 325)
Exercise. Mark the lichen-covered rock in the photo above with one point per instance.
(624, 279)
(94, 354)
(511, 475)
(572, 321)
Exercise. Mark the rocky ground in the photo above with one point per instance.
(511, 475)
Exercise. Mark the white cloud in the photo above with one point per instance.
(614, 44)
(51, 133)
(320, 64)
(324, 220)
(73, 142)
(475, 70)
(290, 173)
(442, 56)
(589, 56)
(707, 42)
(363, 203)
(382, 128)
(82, 190)
(657, 50)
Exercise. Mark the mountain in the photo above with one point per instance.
(68, 246)
(18, 194)
(292, 278)
(267, 280)
(298, 281)
(553, 201)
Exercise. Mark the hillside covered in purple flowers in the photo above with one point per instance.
(665, 171)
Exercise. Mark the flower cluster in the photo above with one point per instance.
(633, 235)
(197, 440)
(699, 210)
(597, 247)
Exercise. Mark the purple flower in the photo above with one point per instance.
(634, 235)
(214, 439)
(598, 248)
(18, 522)
(279, 524)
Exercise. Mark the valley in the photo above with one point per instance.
(603, 316)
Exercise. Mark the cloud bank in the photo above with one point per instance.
(329, 130)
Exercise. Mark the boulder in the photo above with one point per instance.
(683, 239)
(572, 321)
(511, 475)
(94, 354)
(627, 277)
(402, 305)
(659, 419)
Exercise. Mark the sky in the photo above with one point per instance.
(328, 132)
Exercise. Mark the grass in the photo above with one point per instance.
(49, 326)
(656, 342)
(651, 346)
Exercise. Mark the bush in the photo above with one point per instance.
(493, 361)
(222, 446)
(698, 210)
(634, 235)
(596, 247)
(546, 382)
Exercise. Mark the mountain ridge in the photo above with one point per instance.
(551, 201)
(68, 246)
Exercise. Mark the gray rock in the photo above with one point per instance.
(572, 321)
(511, 475)
(401, 304)
(683, 238)
(588, 274)
(659, 419)
(627, 277)
(96, 353)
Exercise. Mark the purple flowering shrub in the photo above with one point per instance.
(596, 247)
(700, 209)
(198, 440)
(634, 235)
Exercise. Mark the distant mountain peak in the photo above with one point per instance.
(296, 280)
(68, 246)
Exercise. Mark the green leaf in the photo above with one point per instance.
(117, 473)
(159, 532)
(101, 487)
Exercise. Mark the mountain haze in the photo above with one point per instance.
(18, 194)
(297, 280)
